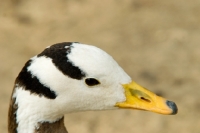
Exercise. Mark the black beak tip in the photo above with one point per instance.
(173, 106)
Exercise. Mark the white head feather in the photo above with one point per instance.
(72, 95)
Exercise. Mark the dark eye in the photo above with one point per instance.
(91, 82)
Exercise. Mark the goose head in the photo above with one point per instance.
(72, 77)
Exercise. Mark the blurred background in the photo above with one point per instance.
(156, 42)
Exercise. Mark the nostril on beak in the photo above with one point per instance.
(145, 99)
(173, 106)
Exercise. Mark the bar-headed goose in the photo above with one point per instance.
(71, 77)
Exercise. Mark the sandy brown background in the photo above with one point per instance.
(157, 42)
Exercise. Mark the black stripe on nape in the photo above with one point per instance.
(58, 53)
(31, 83)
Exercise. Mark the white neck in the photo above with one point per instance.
(31, 112)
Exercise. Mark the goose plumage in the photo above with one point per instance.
(71, 77)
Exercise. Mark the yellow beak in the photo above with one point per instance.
(140, 98)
